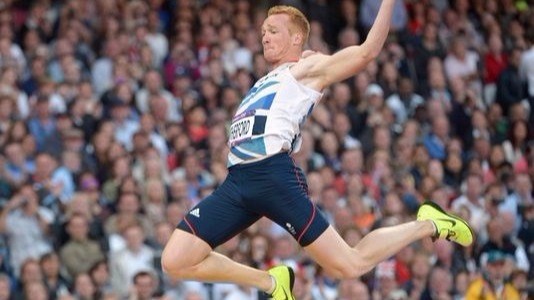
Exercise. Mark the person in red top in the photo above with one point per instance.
(495, 61)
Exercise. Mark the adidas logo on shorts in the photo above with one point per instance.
(195, 212)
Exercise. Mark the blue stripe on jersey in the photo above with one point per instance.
(255, 90)
(310, 110)
(255, 145)
(240, 154)
(264, 102)
(259, 125)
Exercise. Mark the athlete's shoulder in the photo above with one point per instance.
(305, 70)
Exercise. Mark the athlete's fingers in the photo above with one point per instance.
(307, 53)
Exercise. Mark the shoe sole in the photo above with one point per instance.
(438, 208)
(291, 282)
(291, 279)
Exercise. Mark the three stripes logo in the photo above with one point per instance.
(195, 212)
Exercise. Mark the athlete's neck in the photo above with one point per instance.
(289, 58)
(283, 62)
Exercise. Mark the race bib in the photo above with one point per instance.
(241, 129)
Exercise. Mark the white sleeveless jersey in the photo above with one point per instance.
(268, 119)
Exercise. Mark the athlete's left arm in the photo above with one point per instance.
(319, 71)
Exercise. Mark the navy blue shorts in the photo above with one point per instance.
(274, 187)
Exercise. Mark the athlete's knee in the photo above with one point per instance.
(347, 269)
(179, 257)
(175, 265)
(170, 264)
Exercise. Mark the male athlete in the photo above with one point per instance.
(263, 180)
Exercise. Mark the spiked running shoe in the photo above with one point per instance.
(284, 279)
(449, 227)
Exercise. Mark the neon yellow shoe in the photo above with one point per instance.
(284, 278)
(449, 227)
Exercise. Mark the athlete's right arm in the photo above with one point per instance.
(318, 70)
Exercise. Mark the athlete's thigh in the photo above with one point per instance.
(218, 217)
(283, 198)
(184, 250)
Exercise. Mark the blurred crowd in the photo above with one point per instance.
(114, 118)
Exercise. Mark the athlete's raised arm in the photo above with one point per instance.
(319, 70)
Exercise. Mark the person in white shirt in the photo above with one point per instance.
(127, 262)
(472, 199)
(26, 225)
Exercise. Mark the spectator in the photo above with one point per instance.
(23, 211)
(5, 287)
(492, 284)
(134, 257)
(145, 285)
(436, 141)
(80, 253)
(386, 284)
(352, 289)
(56, 285)
(84, 288)
(154, 87)
(123, 127)
(42, 125)
(17, 168)
(463, 63)
(100, 276)
(128, 212)
(428, 46)
(439, 285)
(472, 199)
(515, 145)
(30, 273)
(495, 61)
(420, 268)
(404, 102)
(500, 240)
(527, 70)
(509, 83)
(35, 290)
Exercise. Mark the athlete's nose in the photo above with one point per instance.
(265, 39)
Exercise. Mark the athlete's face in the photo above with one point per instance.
(277, 38)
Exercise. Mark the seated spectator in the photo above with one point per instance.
(23, 211)
(439, 285)
(30, 273)
(80, 253)
(5, 287)
(492, 284)
(128, 213)
(145, 286)
(55, 283)
(509, 83)
(84, 287)
(100, 276)
(463, 63)
(500, 240)
(126, 262)
(472, 199)
(436, 141)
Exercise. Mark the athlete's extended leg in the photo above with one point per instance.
(342, 261)
(188, 257)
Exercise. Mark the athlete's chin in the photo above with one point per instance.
(269, 56)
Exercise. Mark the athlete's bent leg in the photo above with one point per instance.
(341, 261)
(187, 257)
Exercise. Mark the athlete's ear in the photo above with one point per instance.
(298, 38)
